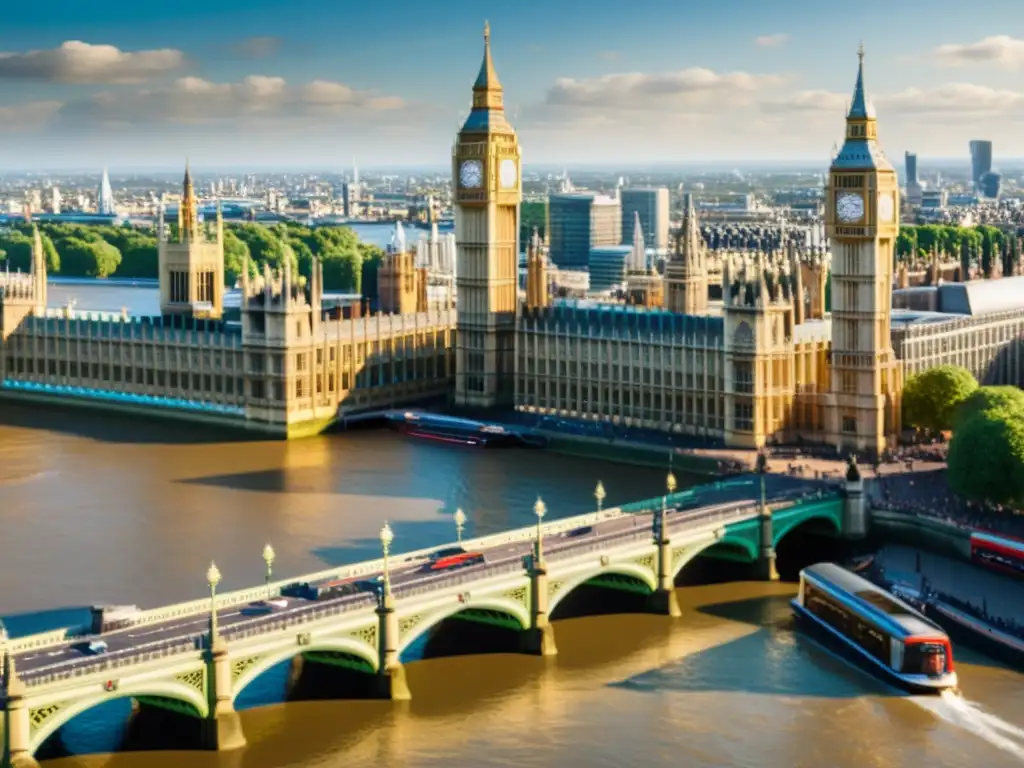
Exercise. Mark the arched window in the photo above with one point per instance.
(744, 335)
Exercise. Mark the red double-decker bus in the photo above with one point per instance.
(456, 561)
(998, 552)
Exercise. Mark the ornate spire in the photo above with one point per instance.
(859, 105)
(487, 80)
(488, 113)
(188, 215)
(638, 259)
(691, 239)
(38, 254)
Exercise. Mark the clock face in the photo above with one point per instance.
(850, 207)
(886, 207)
(508, 173)
(471, 174)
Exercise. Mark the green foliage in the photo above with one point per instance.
(986, 457)
(82, 258)
(989, 400)
(370, 267)
(126, 251)
(534, 215)
(931, 399)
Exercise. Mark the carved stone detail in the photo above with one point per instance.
(554, 587)
(194, 679)
(367, 634)
(518, 595)
(39, 716)
(240, 666)
(407, 624)
(646, 561)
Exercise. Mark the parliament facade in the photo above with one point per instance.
(769, 361)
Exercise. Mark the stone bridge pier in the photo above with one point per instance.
(222, 727)
(17, 725)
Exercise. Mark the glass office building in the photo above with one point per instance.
(652, 204)
(578, 222)
(607, 266)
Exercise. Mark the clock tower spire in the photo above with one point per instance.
(862, 217)
(487, 192)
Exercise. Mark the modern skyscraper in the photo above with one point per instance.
(652, 204)
(989, 184)
(105, 197)
(862, 216)
(981, 159)
(910, 164)
(579, 221)
(486, 179)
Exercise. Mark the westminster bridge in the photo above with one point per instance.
(192, 660)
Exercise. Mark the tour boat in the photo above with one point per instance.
(451, 429)
(882, 633)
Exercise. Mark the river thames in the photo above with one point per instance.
(105, 509)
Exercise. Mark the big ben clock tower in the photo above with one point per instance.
(862, 216)
(487, 192)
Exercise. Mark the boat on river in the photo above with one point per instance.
(460, 431)
(879, 632)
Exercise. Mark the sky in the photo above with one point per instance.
(323, 83)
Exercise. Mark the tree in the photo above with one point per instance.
(235, 254)
(989, 400)
(930, 399)
(89, 259)
(343, 271)
(986, 457)
(139, 258)
(370, 267)
(19, 251)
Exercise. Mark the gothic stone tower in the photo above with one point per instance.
(192, 266)
(686, 274)
(862, 216)
(486, 174)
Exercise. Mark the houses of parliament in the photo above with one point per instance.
(767, 362)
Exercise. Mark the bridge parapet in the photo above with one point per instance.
(262, 592)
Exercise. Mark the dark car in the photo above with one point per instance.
(581, 531)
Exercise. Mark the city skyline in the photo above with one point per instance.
(144, 87)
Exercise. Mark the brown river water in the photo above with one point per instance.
(104, 509)
(96, 508)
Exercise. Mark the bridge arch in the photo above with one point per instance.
(740, 544)
(511, 608)
(191, 697)
(632, 570)
(349, 645)
(817, 521)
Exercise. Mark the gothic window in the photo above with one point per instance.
(744, 335)
(743, 417)
(849, 425)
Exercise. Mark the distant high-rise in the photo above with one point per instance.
(910, 160)
(105, 197)
(989, 183)
(578, 222)
(652, 205)
(981, 159)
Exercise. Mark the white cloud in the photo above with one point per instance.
(78, 62)
(695, 89)
(808, 101)
(772, 41)
(27, 117)
(956, 100)
(193, 100)
(998, 49)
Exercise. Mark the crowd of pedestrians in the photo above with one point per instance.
(926, 494)
(981, 613)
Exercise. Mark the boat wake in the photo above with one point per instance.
(954, 709)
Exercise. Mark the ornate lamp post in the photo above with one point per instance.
(761, 467)
(460, 523)
(213, 579)
(767, 536)
(386, 537)
(540, 509)
(599, 494)
(268, 558)
(659, 517)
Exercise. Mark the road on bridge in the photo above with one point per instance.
(407, 575)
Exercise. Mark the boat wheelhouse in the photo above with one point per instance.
(882, 632)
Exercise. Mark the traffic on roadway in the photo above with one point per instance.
(445, 567)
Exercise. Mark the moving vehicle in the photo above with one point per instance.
(879, 631)
(327, 590)
(446, 552)
(94, 647)
(451, 429)
(999, 553)
(263, 607)
(451, 562)
(581, 531)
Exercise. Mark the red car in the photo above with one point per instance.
(461, 560)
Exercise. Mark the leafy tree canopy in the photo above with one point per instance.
(931, 398)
